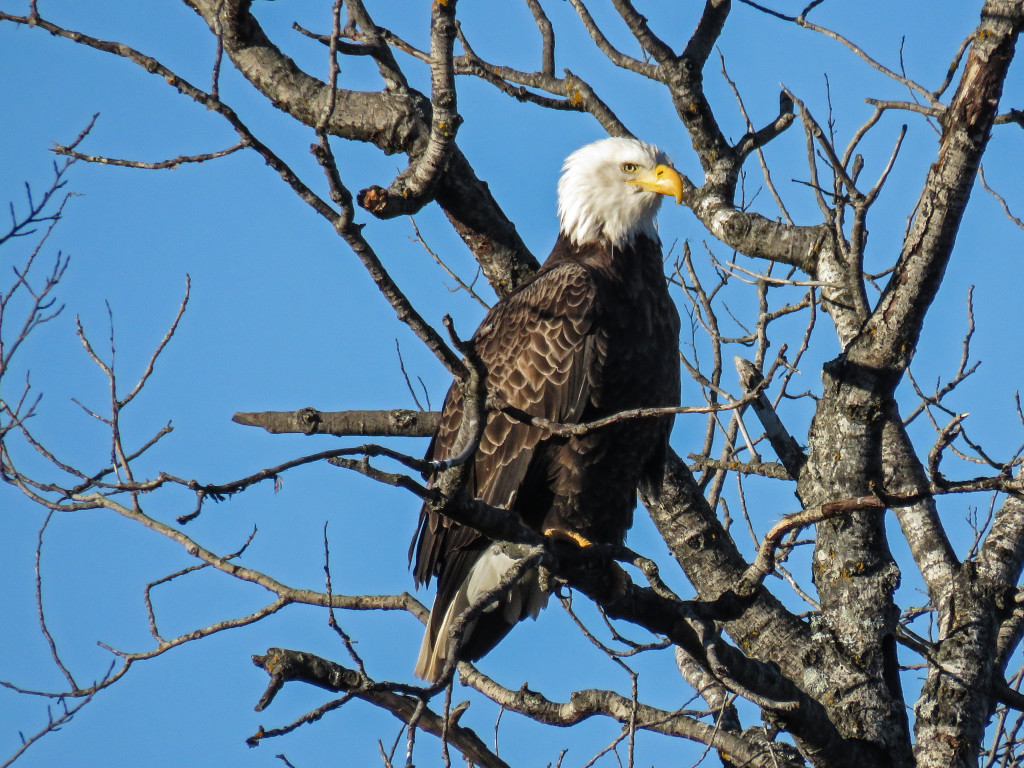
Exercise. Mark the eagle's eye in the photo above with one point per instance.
(629, 167)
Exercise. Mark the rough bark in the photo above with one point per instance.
(394, 120)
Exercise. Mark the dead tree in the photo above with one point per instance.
(828, 682)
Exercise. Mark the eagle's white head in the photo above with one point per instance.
(611, 190)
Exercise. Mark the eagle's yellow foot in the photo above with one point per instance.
(560, 533)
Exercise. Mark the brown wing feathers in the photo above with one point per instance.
(535, 348)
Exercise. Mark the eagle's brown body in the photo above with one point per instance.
(594, 333)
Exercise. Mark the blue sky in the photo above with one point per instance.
(282, 316)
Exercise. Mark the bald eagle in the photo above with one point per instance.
(593, 333)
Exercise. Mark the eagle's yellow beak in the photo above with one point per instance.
(664, 179)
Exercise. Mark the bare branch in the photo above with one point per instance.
(881, 105)
(588, 703)
(650, 42)
(468, 288)
(873, 193)
(39, 606)
(617, 58)
(547, 35)
(283, 665)
(174, 162)
(765, 562)
(762, 468)
(786, 447)
(954, 65)
(999, 198)
(160, 347)
(24, 225)
(310, 421)
(576, 94)
(802, 21)
(52, 724)
(415, 186)
(785, 106)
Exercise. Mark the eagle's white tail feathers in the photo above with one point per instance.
(526, 598)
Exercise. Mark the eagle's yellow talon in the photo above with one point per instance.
(560, 533)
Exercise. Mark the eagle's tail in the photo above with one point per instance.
(525, 598)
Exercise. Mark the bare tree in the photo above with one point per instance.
(828, 681)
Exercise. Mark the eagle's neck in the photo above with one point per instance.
(633, 259)
(585, 224)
